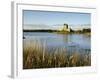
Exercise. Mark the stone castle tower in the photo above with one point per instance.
(66, 28)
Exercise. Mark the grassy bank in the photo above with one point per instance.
(38, 55)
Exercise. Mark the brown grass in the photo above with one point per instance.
(37, 55)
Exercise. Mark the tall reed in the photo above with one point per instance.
(36, 54)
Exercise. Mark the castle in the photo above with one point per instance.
(65, 28)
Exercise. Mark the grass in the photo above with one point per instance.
(36, 54)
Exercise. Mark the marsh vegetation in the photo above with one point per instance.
(37, 54)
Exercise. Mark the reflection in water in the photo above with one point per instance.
(78, 43)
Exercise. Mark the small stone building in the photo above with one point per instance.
(66, 28)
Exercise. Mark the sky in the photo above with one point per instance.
(50, 19)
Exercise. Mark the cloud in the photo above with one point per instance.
(54, 27)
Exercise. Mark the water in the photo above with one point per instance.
(80, 43)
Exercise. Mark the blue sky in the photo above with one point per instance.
(52, 18)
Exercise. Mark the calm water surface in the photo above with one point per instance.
(80, 43)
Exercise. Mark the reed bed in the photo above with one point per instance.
(36, 54)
